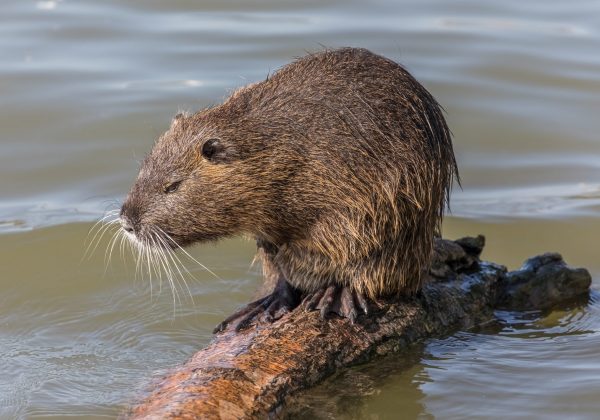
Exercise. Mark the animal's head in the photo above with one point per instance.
(200, 182)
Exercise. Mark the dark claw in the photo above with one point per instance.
(279, 313)
(313, 300)
(362, 302)
(239, 313)
(326, 302)
(347, 305)
(283, 299)
(275, 311)
(337, 299)
(247, 319)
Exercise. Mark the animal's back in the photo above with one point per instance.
(368, 164)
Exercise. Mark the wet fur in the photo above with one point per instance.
(340, 164)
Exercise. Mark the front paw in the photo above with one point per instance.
(269, 308)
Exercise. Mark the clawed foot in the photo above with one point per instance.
(340, 300)
(272, 307)
(332, 299)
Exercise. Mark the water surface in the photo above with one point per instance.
(86, 87)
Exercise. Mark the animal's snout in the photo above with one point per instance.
(129, 218)
(126, 224)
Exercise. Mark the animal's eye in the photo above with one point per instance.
(210, 148)
(172, 187)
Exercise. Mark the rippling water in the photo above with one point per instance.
(86, 87)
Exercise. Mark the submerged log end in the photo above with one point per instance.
(543, 282)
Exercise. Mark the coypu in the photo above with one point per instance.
(340, 164)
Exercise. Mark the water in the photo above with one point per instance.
(86, 87)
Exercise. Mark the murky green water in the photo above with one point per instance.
(85, 88)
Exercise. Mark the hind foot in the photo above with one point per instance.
(337, 299)
(272, 307)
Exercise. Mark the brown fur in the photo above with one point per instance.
(340, 164)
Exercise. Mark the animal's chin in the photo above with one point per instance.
(156, 240)
(182, 241)
(159, 238)
(131, 236)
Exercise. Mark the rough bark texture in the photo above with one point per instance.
(250, 374)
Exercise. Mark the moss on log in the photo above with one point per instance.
(251, 374)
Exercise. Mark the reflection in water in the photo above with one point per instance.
(375, 390)
(536, 363)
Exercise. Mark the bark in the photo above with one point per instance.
(251, 373)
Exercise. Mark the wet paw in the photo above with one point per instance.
(336, 299)
(269, 308)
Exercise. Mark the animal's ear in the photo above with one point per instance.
(214, 150)
(177, 119)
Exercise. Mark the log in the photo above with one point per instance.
(252, 373)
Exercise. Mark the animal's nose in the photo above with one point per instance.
(126, 224)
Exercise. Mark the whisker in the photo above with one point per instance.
(162, 261)
(138, 258)
(154, 255)
(95, 229)
(166, 255)
(156, 260)
(178, 263)
(152, 264)
(145, 265)
(147, 258)
(109, 249)
(99, 222)
(171, 278)
(97, 239)
(112, 242)
(122, 245)
(167, 252)
(188, 255)
(108, 214)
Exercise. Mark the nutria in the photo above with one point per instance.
(340, 165)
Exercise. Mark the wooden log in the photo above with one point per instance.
(251, 373)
